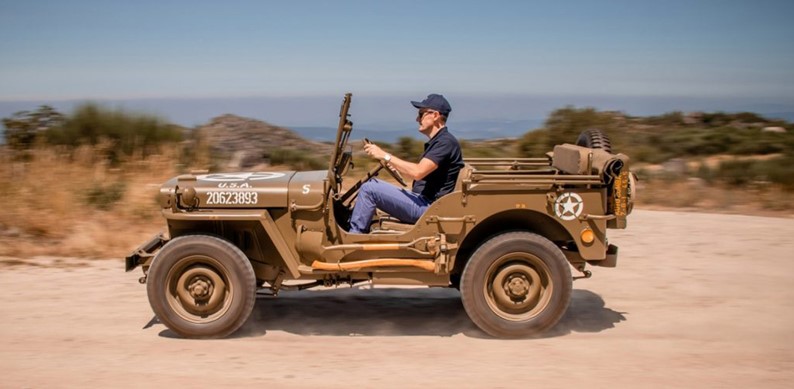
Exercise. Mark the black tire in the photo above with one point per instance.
(517, 284)
(594, 139)
(201, 286)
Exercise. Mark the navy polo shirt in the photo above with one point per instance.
(444, 150)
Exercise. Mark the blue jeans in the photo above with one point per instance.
(400, 203)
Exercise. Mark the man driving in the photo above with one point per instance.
(434, 175)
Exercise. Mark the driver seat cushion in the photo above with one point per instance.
(393, 224)
(385, 223)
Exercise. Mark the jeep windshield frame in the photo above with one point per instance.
(338, 160)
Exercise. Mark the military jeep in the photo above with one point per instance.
(506, 237)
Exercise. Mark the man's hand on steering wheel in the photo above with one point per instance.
(376, 152)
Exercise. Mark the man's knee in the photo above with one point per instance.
(368, 188)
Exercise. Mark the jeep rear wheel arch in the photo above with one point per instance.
(509, 221)
(516, 284)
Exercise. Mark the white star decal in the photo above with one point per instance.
(568, 206)
(237, 177)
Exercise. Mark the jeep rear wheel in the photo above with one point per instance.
(594, 139)
(516, 284)
(201, 287)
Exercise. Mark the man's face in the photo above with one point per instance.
(426, 119)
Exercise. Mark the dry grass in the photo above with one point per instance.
(695, 195)
(61, 203)
(74, 204)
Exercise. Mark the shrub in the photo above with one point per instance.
(780, 171)
(129, 133)
(533, 143)
(671, 119)
(104, 196)
(408, 148)
(739, 173)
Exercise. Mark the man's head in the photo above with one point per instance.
(433, 113)
(436, 103)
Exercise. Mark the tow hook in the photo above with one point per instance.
(586, 273)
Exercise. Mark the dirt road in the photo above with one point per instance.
(697, 300)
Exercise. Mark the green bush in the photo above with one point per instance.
(705, 173)
(408, 148)
(740, 173)
(128, 133)
(671, 119)
(534, 143)
(104, 196)
(780, 171)
(566, 124)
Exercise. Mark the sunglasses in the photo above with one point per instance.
(422, 113)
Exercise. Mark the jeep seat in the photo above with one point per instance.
(386, 224)
(390, 224)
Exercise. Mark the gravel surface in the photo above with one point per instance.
(697, 300)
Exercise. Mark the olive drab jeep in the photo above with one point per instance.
(506, 237)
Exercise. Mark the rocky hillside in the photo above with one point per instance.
(245, 143)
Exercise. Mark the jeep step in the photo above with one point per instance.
(358, 265)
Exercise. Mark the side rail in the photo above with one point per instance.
(508, 163)
(510, 174)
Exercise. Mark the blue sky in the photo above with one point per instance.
(138, 50)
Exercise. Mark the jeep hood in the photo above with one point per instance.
(228, 190)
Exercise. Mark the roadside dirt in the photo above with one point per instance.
(697, 300)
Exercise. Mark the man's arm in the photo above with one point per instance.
(414, 171)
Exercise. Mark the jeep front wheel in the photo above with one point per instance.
(516, 284)
(201, 286)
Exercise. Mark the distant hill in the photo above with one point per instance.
(246, 142)
(243, 143)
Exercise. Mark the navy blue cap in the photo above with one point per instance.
(434, 102)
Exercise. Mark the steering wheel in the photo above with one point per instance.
(383, 165)
(394, 173)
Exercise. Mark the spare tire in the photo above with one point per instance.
(595, 139)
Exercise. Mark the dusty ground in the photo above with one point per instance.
(697, 300)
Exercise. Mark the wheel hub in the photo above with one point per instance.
(517, 286)
(200, 288)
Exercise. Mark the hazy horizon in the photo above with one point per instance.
(387, 118)
(308, 111)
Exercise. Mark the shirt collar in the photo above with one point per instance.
(429, 141)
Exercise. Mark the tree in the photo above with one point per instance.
(25, 127)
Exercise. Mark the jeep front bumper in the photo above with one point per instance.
(144, 252)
